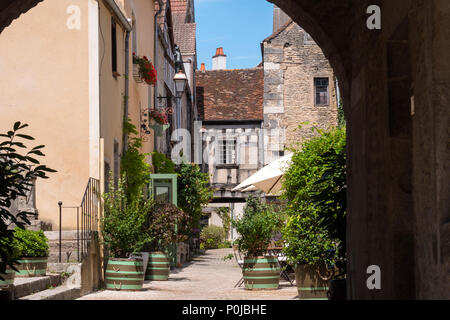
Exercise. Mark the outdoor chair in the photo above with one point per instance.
(282, 261)
(240, 262)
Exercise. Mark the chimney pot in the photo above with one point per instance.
(219, 61)
(203, 68)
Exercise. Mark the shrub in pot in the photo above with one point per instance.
(33, 252)
(7, 277)
(125, 232)
(166, 224)
(314, 187)
(256, 227)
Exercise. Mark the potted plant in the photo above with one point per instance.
(33, 251)
(146, 70)
(7, 278)
(314, 187)
(256, 227)
(165, 223)
(125, 233)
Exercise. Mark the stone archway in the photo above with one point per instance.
(395, 83)
(400, 222)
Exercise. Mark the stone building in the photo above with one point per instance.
(299, 87)
(230, 104)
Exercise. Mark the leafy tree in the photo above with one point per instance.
(193, 191)
(162, 164)
(314, 187)
(18, 171)
(258, 224)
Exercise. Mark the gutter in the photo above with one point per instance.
(111, 4)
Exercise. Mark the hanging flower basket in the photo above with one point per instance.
(146, 71)
(159, 117)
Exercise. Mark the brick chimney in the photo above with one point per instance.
(203, 68)
(219, 61)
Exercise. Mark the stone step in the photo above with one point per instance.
(28, 286)
(58, 293)
(54, 256)
(65, 235)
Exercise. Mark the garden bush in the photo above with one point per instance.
(257, 226)
(315, 189)
(30, 244)
(166, 225)
(125, 226)
(212, 237)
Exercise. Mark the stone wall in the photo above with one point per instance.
(397, 126)
(291, 62)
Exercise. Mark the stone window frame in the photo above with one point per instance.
(321, 76)
(220, 145)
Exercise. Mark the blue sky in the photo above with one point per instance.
(238, 26)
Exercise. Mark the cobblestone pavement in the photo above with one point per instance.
(206, 277)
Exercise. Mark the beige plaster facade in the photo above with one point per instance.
(58, 78)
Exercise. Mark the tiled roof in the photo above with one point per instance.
(185, 37)
(179, 5)
(230, 94)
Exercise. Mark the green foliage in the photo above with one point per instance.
(125, 225)
(163, 222)
(133, 164)
(212, 237)
(162, 164)
(193, 191)
(256, 227)
(341, 115)
(19, 168)
(224, 214)
(313, 188)
(30, 244)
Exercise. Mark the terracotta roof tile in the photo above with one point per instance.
(230, 94)
(185, 37)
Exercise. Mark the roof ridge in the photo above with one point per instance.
(280, 30)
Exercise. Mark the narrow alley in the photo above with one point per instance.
(206, 277)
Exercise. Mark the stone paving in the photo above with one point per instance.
(206, 277)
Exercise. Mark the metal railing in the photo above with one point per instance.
(87, 222)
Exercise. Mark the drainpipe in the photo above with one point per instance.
(127, 72)
(155, 63)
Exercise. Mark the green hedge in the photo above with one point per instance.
(30, 243)
(212, 237)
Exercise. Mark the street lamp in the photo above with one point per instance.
(180, 80)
